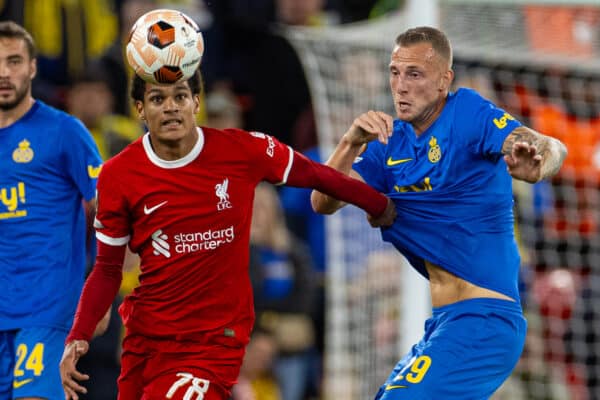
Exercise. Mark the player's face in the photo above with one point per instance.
(419, 79)
(169, 111)
(17, 70)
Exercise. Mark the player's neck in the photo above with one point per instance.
(171, 150)
(9, 117)
(429, 117)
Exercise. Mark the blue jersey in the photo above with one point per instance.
(452, 192)
(49, 164)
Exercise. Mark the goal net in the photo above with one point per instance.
(541, 62)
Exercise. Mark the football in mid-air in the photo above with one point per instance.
(164, 46)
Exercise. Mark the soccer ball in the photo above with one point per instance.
(164, 46)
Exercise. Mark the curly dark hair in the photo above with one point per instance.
(138, 85)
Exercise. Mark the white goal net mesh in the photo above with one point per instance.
(541, 62)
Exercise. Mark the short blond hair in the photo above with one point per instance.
(427, 34)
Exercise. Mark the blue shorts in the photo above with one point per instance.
(29, 360)
(469, 348)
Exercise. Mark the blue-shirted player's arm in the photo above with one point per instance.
(81, 156)
(532, 156)
(365, 128)
(529, 155)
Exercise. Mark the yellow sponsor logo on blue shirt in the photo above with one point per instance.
(93, 172)
(503, 121)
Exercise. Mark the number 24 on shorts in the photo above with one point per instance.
(34, 360)
(418, 368)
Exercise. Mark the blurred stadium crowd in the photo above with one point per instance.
(254, 80)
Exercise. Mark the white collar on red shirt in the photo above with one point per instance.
(169, 164)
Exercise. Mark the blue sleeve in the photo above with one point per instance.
(81, 156)
(485, 126)
(369, 166)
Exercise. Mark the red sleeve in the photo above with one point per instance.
(99, 291)
(268, 158)
(112, 222)
(307, 173)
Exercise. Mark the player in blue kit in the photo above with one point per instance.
(447, 162)
(49, 165)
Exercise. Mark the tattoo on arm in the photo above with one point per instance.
(553, 152)
(520, 134)
(552, 164)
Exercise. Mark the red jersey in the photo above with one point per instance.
(189, 221)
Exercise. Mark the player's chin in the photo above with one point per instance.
(172, 134)
(405, 117)
(404, 114)
(7, 103)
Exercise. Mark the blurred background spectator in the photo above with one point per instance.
(113, 59)
(68, 34)
(261, 66)
(257, 380)
(282, 277)
(91, 99)
(223, 109)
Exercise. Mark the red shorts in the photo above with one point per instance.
(178, 371)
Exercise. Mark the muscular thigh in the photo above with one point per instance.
(467, 359)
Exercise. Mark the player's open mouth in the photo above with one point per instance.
(171, 122)
(402, 105)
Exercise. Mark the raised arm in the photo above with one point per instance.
(365, 128)
(531, 156)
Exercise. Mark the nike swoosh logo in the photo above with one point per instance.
(18, 384)
(391, 163)
(390, 387)
(150, 210)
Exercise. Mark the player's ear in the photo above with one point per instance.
(196, 98)
(446, 80)
(139, 107)
(33, 67)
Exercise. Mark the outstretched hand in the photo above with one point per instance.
(386, 219)
(524, 162)
(370, 126)
(69, 375)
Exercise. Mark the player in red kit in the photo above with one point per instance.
(181, 197)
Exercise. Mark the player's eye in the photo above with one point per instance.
(155, 99)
